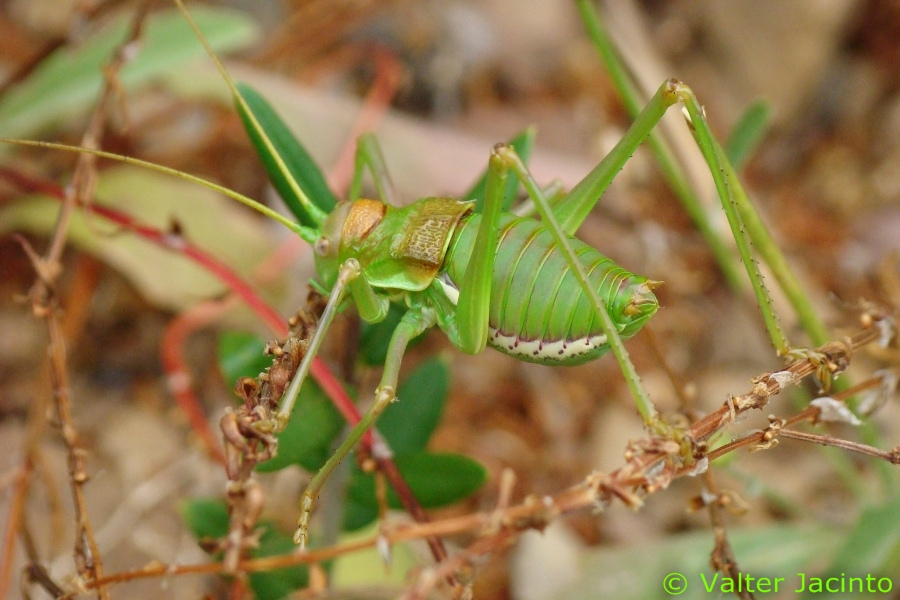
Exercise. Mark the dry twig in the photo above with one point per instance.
(651, 464)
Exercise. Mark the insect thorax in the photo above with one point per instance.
(405, 249)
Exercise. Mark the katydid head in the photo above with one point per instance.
(347, 225)
(636, 303)
(327, 246)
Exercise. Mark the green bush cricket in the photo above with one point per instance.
(532, 290)
(421, 256)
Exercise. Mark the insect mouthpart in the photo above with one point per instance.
(642, 303)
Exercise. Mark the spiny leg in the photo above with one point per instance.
(730, 191)
(504, 158)
(768, 250)
(573, 209)
(416, 320)
(348, 272)
(746, 226)
(759, 235)
(672, 171)
(474, 302)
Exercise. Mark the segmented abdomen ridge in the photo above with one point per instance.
(538, 311)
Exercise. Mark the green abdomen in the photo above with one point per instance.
(538, 311)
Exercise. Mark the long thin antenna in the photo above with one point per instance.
(314, 211)
(306, 233)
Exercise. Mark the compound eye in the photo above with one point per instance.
(322, 246)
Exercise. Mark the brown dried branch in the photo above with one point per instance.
(835, 356)
(45, 305)
(651, 464)
(778, 428)
(248, 431)
(16, 509)
(892, 456)
(722, 558)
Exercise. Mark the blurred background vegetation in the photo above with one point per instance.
(826, 178)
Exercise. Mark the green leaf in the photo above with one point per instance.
(435, 480)
(364, 569)
(522, 143)
(208, 518)
(358, 513)
(300, 165)
(407, 425)
(374, 338)
(308, 438)
(241, 355)
(277, 583)
(748, 132)
(68, 82)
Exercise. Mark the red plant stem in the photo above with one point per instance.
(172, 347)
(230, 278)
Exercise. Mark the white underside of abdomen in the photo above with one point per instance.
(530, 349)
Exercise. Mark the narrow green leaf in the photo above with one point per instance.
(435, 479)
(407, 425)
(68, 82)
(873, 545)
(523, 143)
(748, 132)
(241, 355)
(298, 161)
(374, 338)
